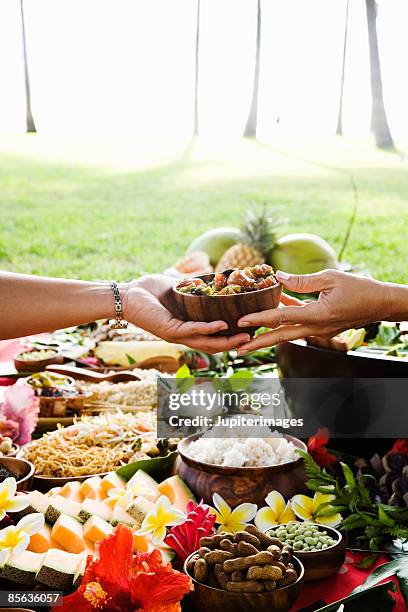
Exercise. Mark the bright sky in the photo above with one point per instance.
(128, 65)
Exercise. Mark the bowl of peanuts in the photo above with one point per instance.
(248, 571)
(227, 296)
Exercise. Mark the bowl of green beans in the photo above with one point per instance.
(320, 548)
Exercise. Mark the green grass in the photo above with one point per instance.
(112, 214)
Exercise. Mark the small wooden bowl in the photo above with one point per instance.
(323, 563)
(235, 484)
(227, 308)
(23, 470)
(38, 365)
(205, 597)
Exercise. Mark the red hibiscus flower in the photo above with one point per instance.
(119, 581)
(185, 538)
(401, 446)
(316, 447)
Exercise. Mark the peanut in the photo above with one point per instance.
(245, 549)
(269, 585)
(218, 556)
(220, 576)
(248, 586)
(203, 551)
(264, 572)
(237, 576)
(244, 536)
(289, 578)
(200, 570)
(275, 542)
(230, 546)
(242, 563)
(275, 550)
(264, 538)
(286, 554)
(191, 563)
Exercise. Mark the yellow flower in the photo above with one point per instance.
(275, 513)
(232, 520)
(123, 497)
(156, 521)
(8, 501)
(15, 539)
(307, 509)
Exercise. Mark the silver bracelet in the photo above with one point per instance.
(118, 322)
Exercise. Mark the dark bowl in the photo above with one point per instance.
(237, 484)
(38, 365)
(23, 470)
(323, 563)
(206, 597)
(227, 308)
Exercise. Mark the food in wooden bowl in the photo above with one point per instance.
(320, 548)
(251, 471)
(35, 360)
(18, 468)
(57, 393)
(246, 571)
(227, 296)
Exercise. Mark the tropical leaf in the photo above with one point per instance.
(155, 465)
(375, 599)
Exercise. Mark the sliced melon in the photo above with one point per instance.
(70, 490)
(92, 507)
(177, 491)
(61, 505)
(146, 481)
(40, 542)
(54, 491)
(139, 507)
(97, 529)
(119, 515)
(80, 571)
(69, 533)
(91, 487)
(22, 568)
(38, 502)
(58, 569)
(140, 543)
(112, 481)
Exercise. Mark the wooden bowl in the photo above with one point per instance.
(38, 365)
(227, 308)
(239, 484)
(323, 563)
(205, 597)
(23, 470)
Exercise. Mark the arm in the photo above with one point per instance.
(33, 304)
(345, 301)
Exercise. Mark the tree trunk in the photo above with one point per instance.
(339, 129)
(252, 121)
(379, 122)
(30, 125)
(197, 50)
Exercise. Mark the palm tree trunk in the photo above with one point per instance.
(252, 121)
(30, 125)
(196, 79)
(339, 129)
(379, 122)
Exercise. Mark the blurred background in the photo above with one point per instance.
(150, 122)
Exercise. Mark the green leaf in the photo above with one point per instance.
(155, 465)
(130, 359)
(402, 575)
(184, 380)
(348, 475)
(374, 599)
(183, 371)
(384, 518)
(382, 572)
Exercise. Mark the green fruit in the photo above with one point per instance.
(215, 242)
(302, 254)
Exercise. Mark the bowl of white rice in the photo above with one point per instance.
(241, 469)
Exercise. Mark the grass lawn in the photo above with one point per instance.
(111, 209)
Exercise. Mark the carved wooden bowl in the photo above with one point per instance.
(227, 308)
(323, 563)
(205, 597)
(240, 484)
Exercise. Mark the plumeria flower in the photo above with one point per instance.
(232, 520)
(123, 497)
(15, 539)
(156, 521)
(8, 500)
(307, 509)
(277, 512)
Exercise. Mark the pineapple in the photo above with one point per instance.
(258, 235)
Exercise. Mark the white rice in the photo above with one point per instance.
(243, 452)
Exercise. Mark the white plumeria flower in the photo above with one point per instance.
(307, 509)
(15, 539)
(123, 497)
(276, 512)
(8, 500)
(232, 520)
(156, 521)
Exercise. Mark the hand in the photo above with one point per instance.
(345, 301)
(146, 303)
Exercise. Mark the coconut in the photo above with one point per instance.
(215, 242)
(302, 254)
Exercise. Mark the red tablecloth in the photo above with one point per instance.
(341, 584)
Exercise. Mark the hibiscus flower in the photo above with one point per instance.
(316, 446)
(119, 581)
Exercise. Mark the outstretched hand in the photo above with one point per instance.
(345, 301)
(147, 304)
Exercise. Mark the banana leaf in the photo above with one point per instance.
(156, 465)
(375, 599)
